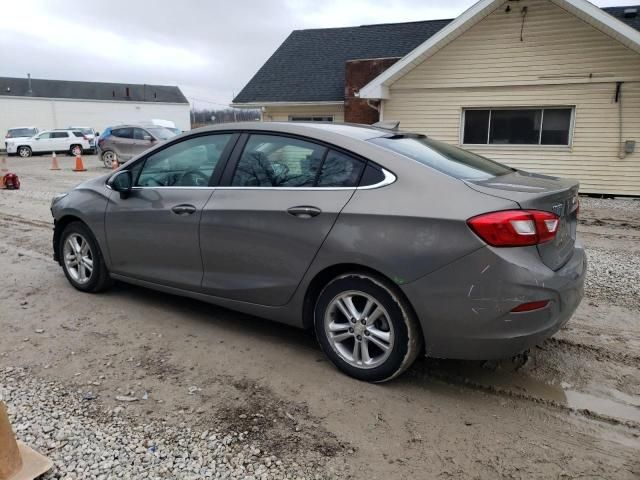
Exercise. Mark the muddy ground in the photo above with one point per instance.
(569, 410)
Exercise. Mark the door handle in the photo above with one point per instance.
(183, 209)
(304, 212)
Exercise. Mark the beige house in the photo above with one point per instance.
(550, 86)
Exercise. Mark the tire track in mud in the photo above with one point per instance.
(512, 393)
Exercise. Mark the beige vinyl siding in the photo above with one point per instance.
(281, 114)
(562, 61)
(593, 156)
(557, 47)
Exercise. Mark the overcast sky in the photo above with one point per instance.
(209, 48)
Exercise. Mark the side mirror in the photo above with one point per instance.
(122, 182)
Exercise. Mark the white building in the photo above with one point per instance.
(48, 104)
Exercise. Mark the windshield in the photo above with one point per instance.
(161, 132)
(443, 157)
(21, 132)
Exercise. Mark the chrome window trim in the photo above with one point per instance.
(389, 178)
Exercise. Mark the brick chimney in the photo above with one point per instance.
(357, 74)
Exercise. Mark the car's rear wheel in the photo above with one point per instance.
(107, 158)
(366, 328)
(82, 259)
(24, 152)
(75, 150)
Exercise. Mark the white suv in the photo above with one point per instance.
(71, 141)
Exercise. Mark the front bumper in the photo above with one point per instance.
(11, 147)
(465, 307)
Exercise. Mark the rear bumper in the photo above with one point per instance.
(465, 307)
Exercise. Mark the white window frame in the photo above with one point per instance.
(526, 145)
(296, 118)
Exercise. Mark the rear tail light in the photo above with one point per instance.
(515, 228)
(8, 135)
(528, 307)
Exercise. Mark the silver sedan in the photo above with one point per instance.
(388, 244)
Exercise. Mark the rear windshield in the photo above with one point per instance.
(161, 132)
(443, 157)
(22, 132)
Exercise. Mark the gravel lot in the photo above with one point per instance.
(137, 384)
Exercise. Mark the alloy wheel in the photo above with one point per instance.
(358, 329)
(78, 258)
(108, 158)
(24, 152)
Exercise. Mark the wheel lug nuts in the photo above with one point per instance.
(366, 332)
(359, 337)
(353, 320)
(363, 321)
(350, 330)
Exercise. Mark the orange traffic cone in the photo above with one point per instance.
(79, 165)
(18, 461)
(115, 164)
(54, 162)
(3, 165)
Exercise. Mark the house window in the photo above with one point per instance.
(308, 118)
(517, 126)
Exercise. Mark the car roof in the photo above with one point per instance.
(19, 128)
(312, 129)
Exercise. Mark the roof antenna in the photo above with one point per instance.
(29, 91)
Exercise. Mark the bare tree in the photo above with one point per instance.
(202, 117)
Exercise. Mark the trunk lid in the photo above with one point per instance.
(540, 192)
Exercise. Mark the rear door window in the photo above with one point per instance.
(275, 161)
(122, 132)
(340, 170)
(59, 135)
(189, 163)
(445, 158)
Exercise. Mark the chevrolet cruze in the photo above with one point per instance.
(388, 244)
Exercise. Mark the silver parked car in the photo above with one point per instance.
(388, 244)
(126, 141)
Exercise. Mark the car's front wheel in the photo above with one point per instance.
(24, 152)
(366, 328)
(82, 259)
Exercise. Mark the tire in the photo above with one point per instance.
(107, 158)
(24, 151)
(75, 150)
(98, 279)
(391, 323)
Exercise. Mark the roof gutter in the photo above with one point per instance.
(283, 104)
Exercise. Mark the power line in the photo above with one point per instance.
(202, 100)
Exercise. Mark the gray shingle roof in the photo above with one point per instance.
(309, 65)
(10, 86)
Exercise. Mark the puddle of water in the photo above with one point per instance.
(603, 406)
(610, 402)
